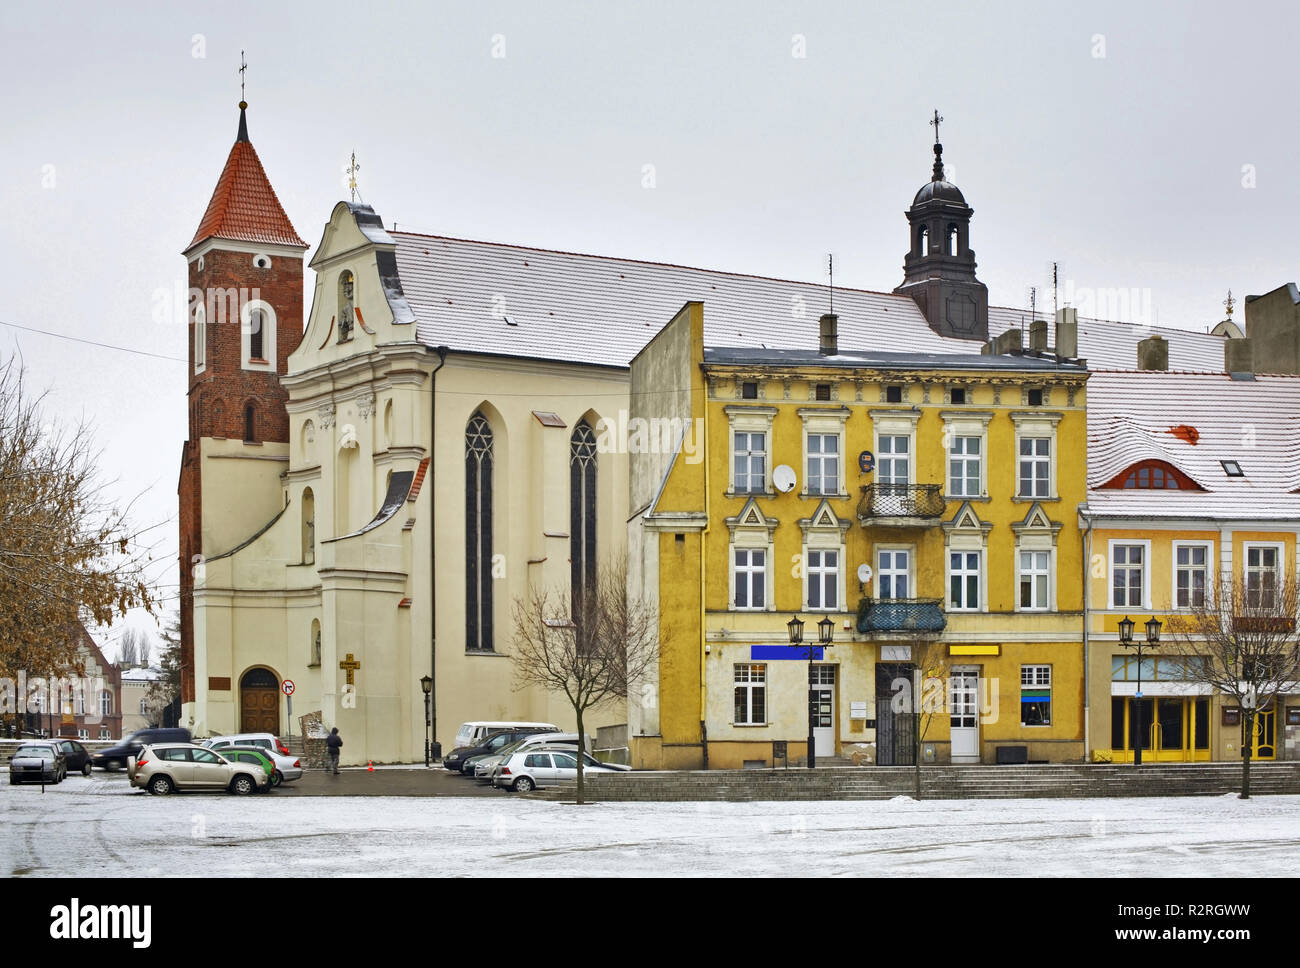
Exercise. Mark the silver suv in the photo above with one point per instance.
(168, 767)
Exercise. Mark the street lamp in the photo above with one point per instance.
(1153, 627)
(426, 684)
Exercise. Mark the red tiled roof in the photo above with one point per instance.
(243, 206)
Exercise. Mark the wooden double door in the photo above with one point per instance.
(259, 702)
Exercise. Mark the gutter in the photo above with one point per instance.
(1086, 515)
(442, 352)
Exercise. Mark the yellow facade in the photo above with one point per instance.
(1174, 720)
(693, 528)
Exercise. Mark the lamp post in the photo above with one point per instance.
(1153, 626)
(426, 684)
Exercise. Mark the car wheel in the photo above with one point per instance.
(114, 765)
(242, 785)
(276, 778)
(160, 785)
(523, 785)
(85, 768)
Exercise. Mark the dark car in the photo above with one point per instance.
(458, 759)
(115, 757)
(78, 756)
(37, 763)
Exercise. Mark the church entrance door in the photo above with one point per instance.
(259, 702)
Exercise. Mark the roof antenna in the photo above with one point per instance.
(1055, 305)
(830, 269)
(1033, 306)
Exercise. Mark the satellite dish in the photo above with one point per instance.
(864, 574)
(783, 477)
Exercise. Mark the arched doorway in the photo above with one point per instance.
(259, 702)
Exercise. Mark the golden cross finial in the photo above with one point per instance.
(243, 66)
(352, 176)
(350, 665)
(934, 123)
(1229, 303)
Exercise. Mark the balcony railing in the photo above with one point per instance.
(917, 504)
(901, 615)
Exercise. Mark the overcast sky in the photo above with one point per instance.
(1146, 148)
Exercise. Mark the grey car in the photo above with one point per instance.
(38, 763)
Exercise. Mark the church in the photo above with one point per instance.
(363, 500)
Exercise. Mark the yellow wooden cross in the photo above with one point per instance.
(350, 666)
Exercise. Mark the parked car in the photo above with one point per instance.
(473, 733)
(117, 757)
(457, 759)
(37, 763)
(536, 767)
(484, 765)
(287, 766)
(78, 756)
(256, 756)
(266, 740)
(166, 767)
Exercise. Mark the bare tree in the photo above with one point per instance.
(66, 554)
(164, 690)
(925, 696)
(133, 649)
(1243, 643)
(587, 646)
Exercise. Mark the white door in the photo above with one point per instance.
(963, 708)
(821, 708)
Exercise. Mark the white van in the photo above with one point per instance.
(470, 734)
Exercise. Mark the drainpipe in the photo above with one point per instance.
(442, 352)
(1087, 617)
(704, 541)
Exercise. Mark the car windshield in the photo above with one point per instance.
(44, 752)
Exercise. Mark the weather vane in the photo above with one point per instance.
(1229, 303)
(352, 175)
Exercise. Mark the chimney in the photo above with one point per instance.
(1007, 342)
(1038, 336)
(1067, 334)
(1239, 358)
(1153, 353)
(829, 329)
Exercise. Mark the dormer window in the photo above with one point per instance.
(1153, 475)
(347, 307)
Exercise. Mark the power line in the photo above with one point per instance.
(91, 342)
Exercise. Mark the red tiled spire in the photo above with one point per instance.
(243, 206)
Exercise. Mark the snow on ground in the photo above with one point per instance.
(98, 827)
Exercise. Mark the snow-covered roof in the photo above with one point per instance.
(1194, 421)
(141, 675)
(513, 300)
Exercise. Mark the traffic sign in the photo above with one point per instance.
(287, 687)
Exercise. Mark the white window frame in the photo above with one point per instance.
(963, 423)
(824, 422)
(1145, 544)
(246, 335)
(750, 685)
(1037, 668)
(820, 458)
(105, 703)
(1036, 424)
(895, 423)
(764, 573)
(200, 339)
(1035, 460)
(1208, 547)
(981, 590)
(909, 573)
(836, 578)
(83, 733)
(749, 420)
(892, 457)
(1279, 548)
(1048, 576)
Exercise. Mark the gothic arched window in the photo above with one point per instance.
(200, 339)
(256, 334)
(478, 534)
(250, 423)
(582, 512)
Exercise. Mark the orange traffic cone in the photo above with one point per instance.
(371, 767)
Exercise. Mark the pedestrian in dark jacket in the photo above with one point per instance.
(335, 742)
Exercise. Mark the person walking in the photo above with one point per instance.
(335, 742)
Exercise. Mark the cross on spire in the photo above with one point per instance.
(243, 66)
(352, 175)
(934, 123)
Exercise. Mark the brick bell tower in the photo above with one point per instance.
(245, 318)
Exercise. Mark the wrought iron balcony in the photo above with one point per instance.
(914, 505)
(917, 615)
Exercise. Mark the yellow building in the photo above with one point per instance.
(1193, 482)
(916, 504)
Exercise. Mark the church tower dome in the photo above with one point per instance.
(939, 268)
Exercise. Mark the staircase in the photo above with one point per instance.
(937, 782)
